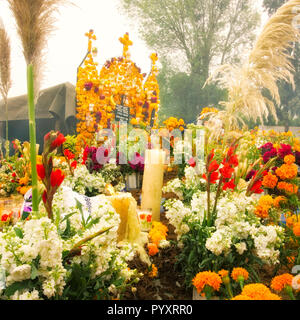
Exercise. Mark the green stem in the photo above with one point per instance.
(229, 291)
(32, 134)
(241, 282)
(6, 129)
(289, 291)
(77, 246)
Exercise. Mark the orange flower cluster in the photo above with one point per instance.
(256, 291)
(280, 282)
(154, 271)
(278, 200)
(291, 220)
(264, 205)
(207, 278)
(287, 171)
(157, 233)
(223, 273)
(151, 89)
(120, 82)
(238, 273)
(296, 145)
(23, 185)
(173, 123)
(270, 181)
(87, 95)
(206, 111)
(287, 187)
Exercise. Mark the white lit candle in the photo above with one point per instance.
(153, 182)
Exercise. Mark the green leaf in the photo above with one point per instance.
(19, 232)
(27, 284)
(34, 272)
(25, 215)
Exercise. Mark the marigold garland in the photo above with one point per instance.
(120, 82)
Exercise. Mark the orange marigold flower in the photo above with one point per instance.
(158, 232)
(238, 273)
(273, 296)
(287, 171)
(287, 187)
(270, 181)
(241, 297)
(277, 201)
(296, 229)
(207, 278)
(223, 273)
(264, 205)
(154, 271)
(153, 249)
(280, 282)
(289, 159)
(291, 259)
(257, 291)
(290, 221)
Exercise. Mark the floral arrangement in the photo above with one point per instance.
(120, 82)
(174, 123)
(211, 284)
(207, 112)
(68, 249)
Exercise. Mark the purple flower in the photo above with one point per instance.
(88, 86)
(269, 155)
(266, 147)
(250, 175)
(98, 116)
(138, 163)
(27, 209)
(297, 156)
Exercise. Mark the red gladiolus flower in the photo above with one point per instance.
(192, 162)
(41, 171)
(229, 185)
(68, 154)
(233, 161)
(4, 218)
(56, 178)
(74, 164)
(46, 137)
(214, 166)
(14, 175)
(213, 177)
(257, 187)
(211, 156)
(226, 171)
(58, 141)
(44, 196)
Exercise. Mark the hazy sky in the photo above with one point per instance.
(68, 45)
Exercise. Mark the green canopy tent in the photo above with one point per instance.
(55, 110)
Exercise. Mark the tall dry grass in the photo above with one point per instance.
(269, 62)
(5, 75)
(35, 21)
